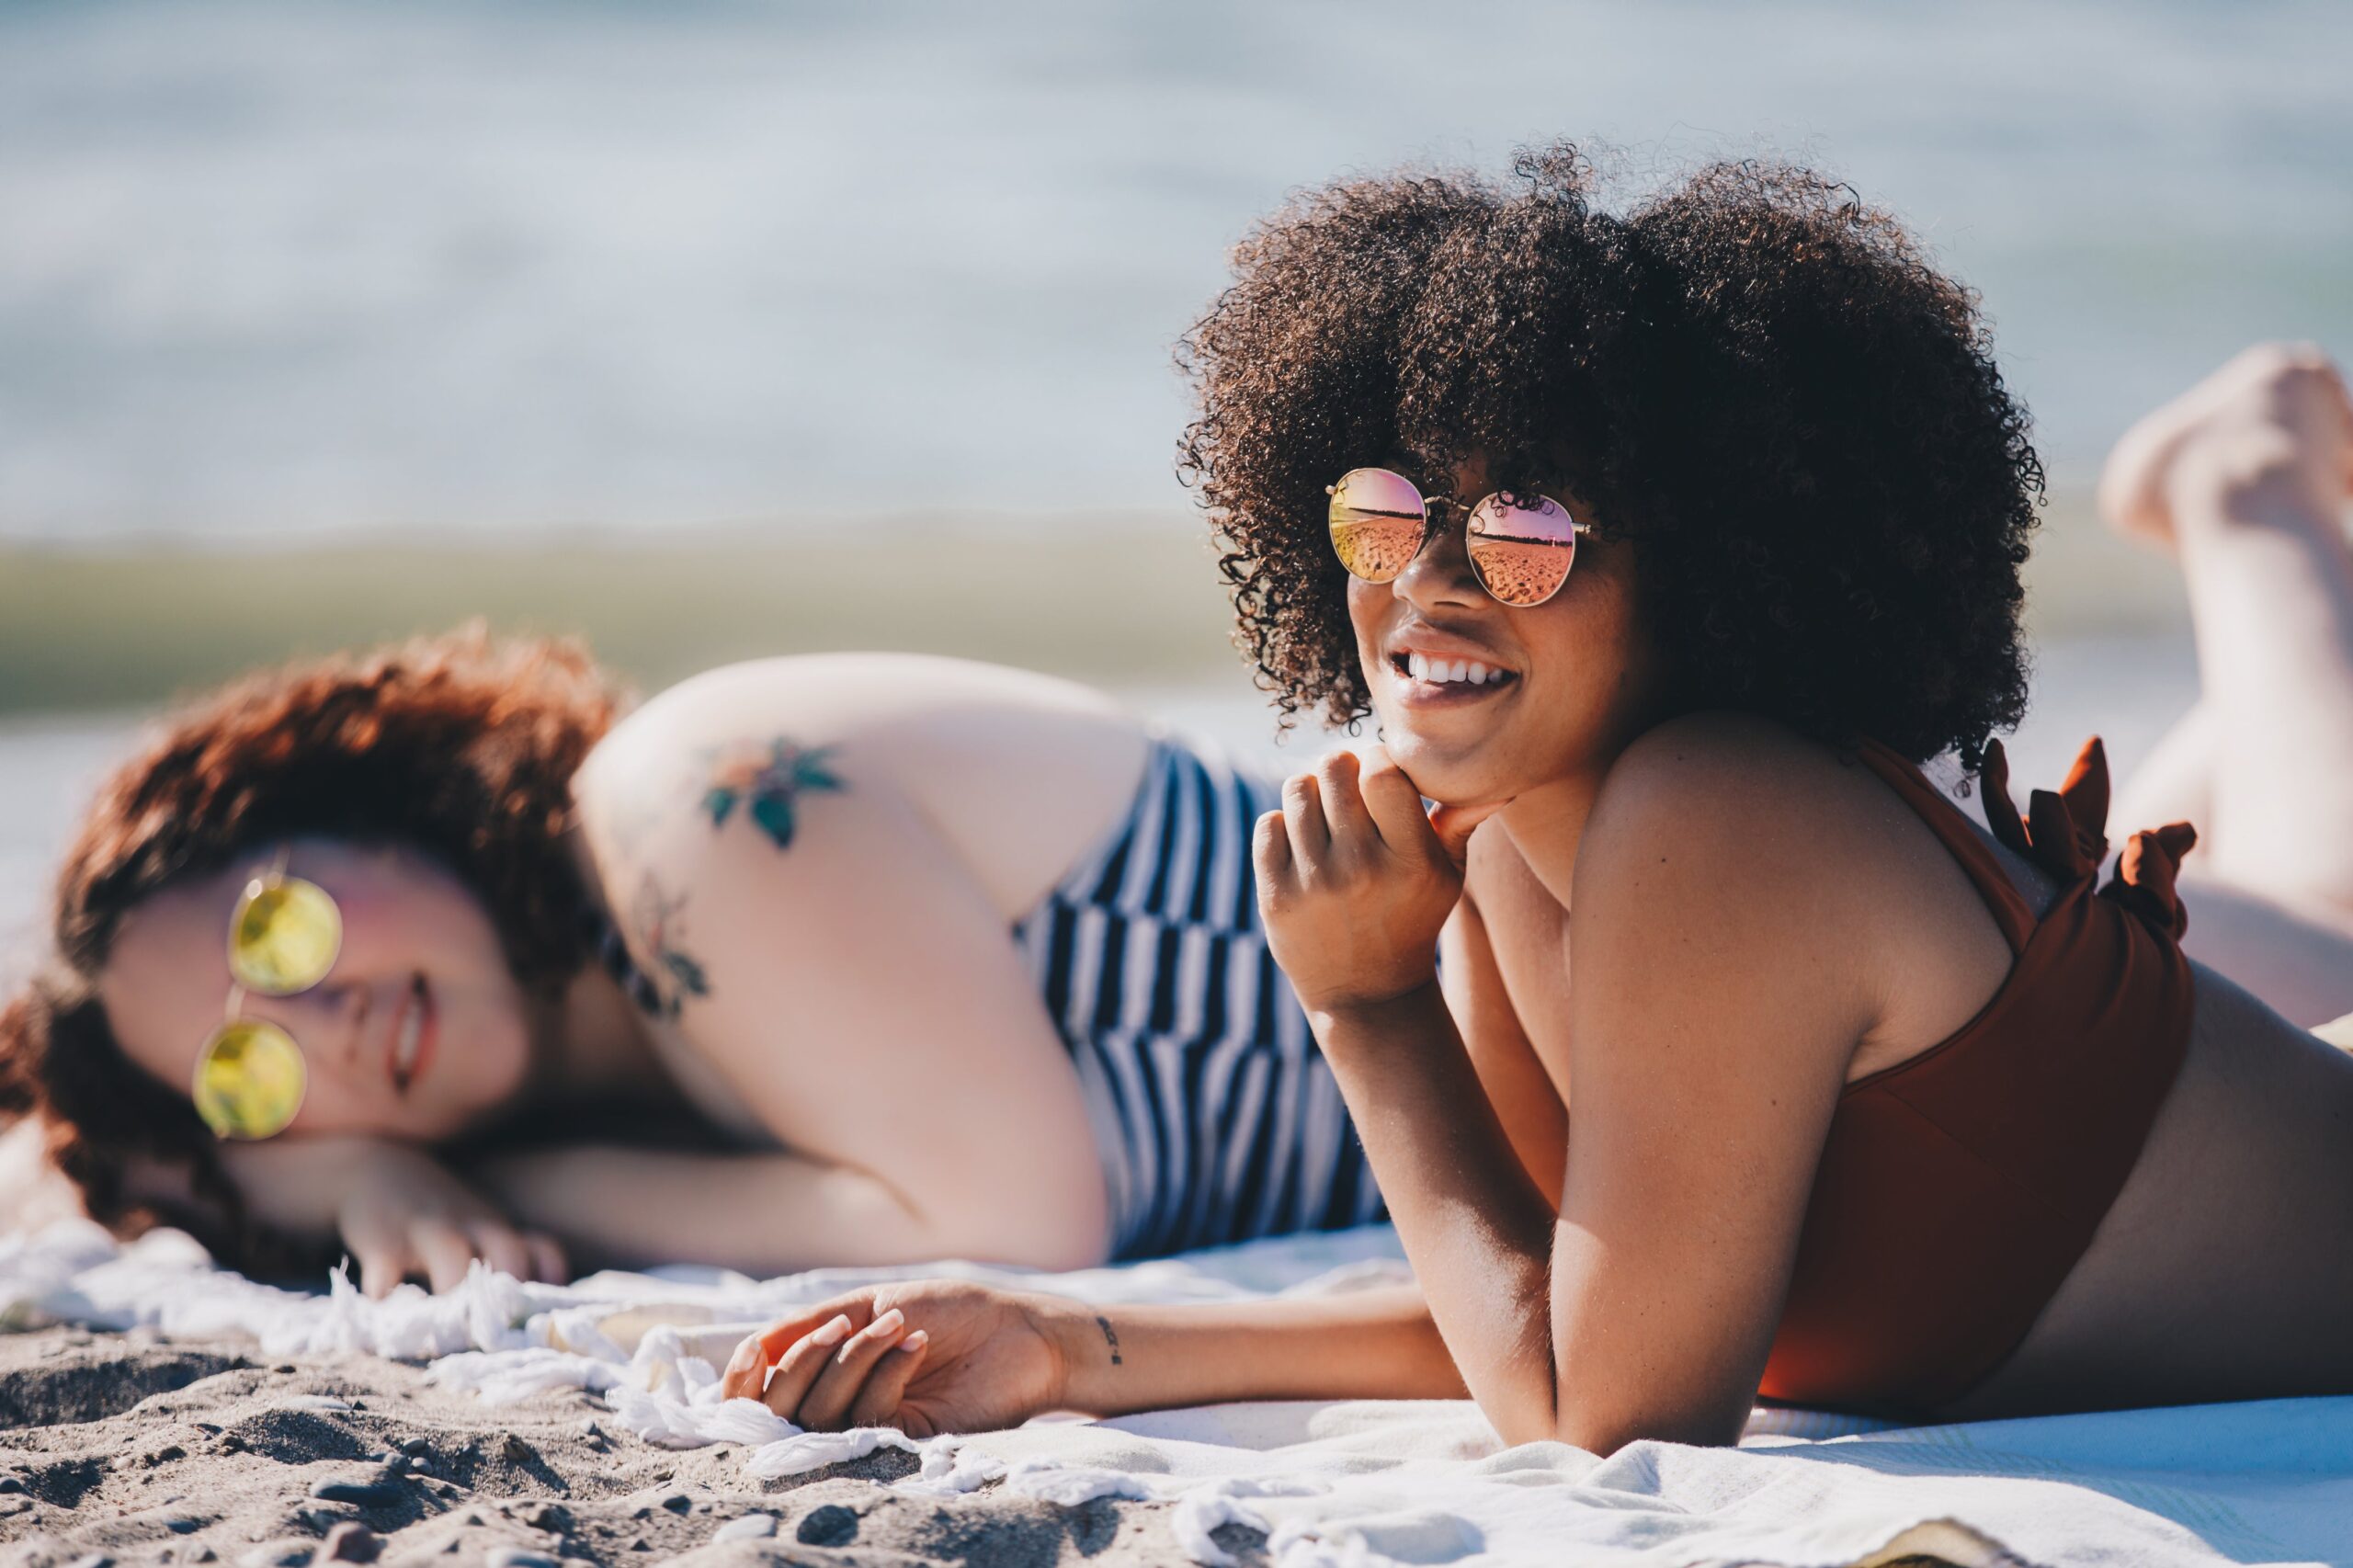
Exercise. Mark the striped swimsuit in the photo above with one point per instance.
(1216, 1115)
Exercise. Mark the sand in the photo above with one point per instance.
(122, 1449)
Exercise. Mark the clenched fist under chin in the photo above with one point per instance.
(1355, 880)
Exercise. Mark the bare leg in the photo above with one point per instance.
(2176, 781)
(2245, 477)
(2299, 961)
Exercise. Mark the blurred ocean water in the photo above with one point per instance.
(270, 266)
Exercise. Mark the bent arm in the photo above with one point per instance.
(765, 1212)
(299, 1184)
(1512, 1075)
(1723, 970)
(397, 1207)
(1477, 1227)
(1714, 1005)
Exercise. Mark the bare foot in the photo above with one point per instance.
(2276, 418)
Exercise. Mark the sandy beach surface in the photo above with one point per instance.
(122, 1449)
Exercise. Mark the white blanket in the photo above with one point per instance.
(1357, 1483)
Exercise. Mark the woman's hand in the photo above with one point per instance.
(927, 1357)
(408, 1214)
(1356, 881)
(398, 1209)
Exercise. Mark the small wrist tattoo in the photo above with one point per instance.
(1109, 1338)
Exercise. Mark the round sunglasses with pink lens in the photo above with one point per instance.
(1520, 547)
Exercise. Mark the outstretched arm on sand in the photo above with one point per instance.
(940, 1355)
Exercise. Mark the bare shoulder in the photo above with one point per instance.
(1713, 881)
(1803, 867)
(1749, 799)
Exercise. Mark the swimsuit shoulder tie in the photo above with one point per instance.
(2065, 833)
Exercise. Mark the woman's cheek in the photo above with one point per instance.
(493, 1058)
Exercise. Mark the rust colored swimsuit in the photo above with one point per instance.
(1958, 1188)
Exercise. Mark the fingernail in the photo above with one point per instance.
(889, 1322)
(745, 1354)
(833, 1333)
(914, 1341)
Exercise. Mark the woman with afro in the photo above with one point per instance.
(1701, 1048)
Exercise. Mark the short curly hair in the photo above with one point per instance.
(1753, 376)
(462, 747)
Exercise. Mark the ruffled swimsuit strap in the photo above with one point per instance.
(2065, 833)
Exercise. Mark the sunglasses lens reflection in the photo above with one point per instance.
(249, 1081)
(283, 936)
(1521, 547)
(1377, 521)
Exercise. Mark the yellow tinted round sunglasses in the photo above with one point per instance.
(1521, 547)
(284, 935)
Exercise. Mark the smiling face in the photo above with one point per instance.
(1482, 702)
(419, 1031)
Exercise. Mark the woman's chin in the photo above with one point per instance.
(1442, 773)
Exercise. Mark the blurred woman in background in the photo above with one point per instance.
(821, 960)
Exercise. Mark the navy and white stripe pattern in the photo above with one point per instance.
(1217, 1116)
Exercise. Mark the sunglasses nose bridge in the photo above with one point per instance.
(1439, 572)
(326, 1020)
(341, 1009)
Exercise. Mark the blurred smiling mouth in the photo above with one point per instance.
(411, 1051)
(1426, 679)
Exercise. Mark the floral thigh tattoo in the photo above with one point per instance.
(767, 781)
(770, 777)
(671, 975)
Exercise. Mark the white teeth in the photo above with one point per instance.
(1438, 672)
(412, 1028)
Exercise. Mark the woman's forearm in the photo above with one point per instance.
(763, 1213)
(1365, 1345)
(299, 1184)
(1478, 1230)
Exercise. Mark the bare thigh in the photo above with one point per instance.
(2298, 961)
(2291, 947)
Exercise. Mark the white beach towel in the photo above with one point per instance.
(1355, 1482)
